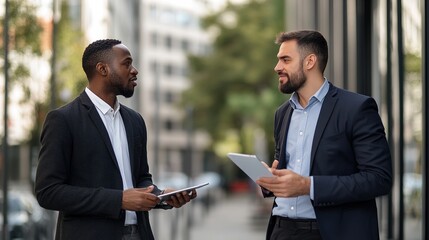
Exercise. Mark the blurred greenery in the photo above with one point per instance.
(234, 89)
(24, 39)
(70, 78)
(24, 44)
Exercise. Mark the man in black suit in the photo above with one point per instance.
(93, 165)
(331, 157)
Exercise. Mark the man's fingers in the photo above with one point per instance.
(146, 189)
(275, 164)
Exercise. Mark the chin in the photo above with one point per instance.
(128, 94)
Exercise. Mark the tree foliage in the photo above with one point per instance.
(70, 78)
(24, 39)
(234, 87)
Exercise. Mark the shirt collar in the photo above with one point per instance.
(318, 96)
(100, 104)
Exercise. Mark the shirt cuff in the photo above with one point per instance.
(311, 188)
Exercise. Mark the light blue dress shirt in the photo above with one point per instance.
(298, 152)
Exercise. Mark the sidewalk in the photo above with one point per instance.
(230, 219)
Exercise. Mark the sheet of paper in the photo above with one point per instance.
(251, 165)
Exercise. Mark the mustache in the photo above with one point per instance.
(283, 74)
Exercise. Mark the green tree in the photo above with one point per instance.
(234, 87)
(24, 40)
(24, 45)
(71, 78)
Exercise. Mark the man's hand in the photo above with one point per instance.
(285, 183)
(180, 199)
(139, 199)
(273, 166)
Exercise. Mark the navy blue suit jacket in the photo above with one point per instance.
(350, 164)
(78, 173)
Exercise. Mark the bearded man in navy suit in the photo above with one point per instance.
(331, 156)
(93, 165)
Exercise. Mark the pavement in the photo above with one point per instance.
(235, 217)
(227, 217)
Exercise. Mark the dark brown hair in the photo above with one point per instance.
(308, 42)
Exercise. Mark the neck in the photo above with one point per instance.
(309, 89)
(109, 98)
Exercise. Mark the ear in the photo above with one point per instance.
(310, 62)
(102, 68)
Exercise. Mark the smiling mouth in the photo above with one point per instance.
(282, 77)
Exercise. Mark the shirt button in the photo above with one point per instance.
(300, 133)
(291, 208)
(299, 160)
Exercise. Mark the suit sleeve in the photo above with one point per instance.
(51, 186)
(278, 119)
(370, 170)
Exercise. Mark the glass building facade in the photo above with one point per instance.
(379, 48)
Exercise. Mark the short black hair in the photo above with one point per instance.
(96, 52)
(308, 42)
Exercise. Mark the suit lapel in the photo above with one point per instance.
(95, 118)
(283, 137)
(325, 113)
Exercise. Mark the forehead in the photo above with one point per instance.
(121, 51)
(288, 48)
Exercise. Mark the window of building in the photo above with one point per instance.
(153, 67)
(154, 39)
(169, 125)
(169, 97)
(169, 70)
(185, 45)
(168, 42)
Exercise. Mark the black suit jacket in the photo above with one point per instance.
(78, 173)
(350, 164)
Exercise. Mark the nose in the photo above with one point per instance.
(278, 67)
(135, 71)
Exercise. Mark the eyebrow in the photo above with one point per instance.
(284, 57)
(128, 58)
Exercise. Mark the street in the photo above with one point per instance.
(232, 217)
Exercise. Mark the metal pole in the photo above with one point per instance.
(425, 145)
(53, 85)
(5, 120)
(189, 166)
(157, 136)
(390, 114)
(401, 76)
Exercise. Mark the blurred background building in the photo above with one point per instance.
(377, 48)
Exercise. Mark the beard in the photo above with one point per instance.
(295, 82)
(119, 88)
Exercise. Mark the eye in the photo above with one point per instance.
(128, 63)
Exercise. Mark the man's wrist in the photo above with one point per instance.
(307, 185)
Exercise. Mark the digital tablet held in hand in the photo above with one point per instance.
(167, 196)
(251, 165)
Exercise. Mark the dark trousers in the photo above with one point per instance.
(295, 229)
(131, 233)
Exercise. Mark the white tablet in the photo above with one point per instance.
(251, 165)
(167, 196)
